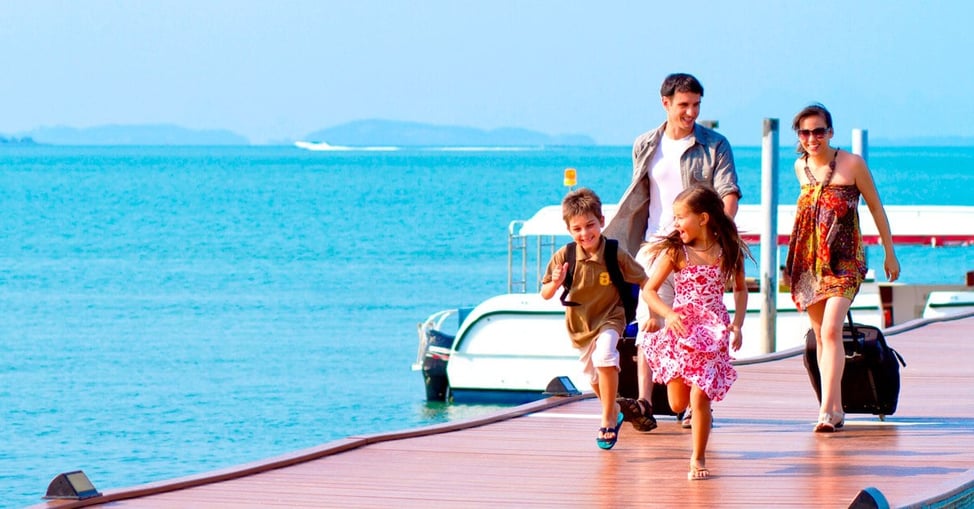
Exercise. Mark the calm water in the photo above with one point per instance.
(170, 311)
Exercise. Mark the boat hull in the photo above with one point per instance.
(511, 346)
(941, 304)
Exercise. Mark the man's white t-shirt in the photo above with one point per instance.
(665, 182)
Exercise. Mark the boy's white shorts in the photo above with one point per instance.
(602, 352)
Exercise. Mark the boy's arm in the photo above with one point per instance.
(550, 287)
(740, 308)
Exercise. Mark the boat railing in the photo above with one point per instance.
(517, 245)
(517, 253)
(922, 225)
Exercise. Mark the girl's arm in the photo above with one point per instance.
(740, 308)
(864, 181)
(650, 294)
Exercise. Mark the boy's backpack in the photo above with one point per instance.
(628, 292)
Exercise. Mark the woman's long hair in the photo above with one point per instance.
(702, 199)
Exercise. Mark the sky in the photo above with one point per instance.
(277, 70)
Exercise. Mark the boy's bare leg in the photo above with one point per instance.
(608, 386)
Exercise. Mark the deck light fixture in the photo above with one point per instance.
(72, 486)
(561, 386)
(571, 178)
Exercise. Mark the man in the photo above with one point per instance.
(666, 160)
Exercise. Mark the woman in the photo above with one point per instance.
(826, 261)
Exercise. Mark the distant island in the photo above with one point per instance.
(376, 132)
(17, 141)
(359, 134)
(152, 134)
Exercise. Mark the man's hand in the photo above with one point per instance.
(651, 325)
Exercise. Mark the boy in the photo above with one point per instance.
(595, 318)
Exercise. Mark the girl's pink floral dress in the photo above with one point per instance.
(701, 357)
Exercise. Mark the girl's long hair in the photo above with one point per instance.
(702, 199)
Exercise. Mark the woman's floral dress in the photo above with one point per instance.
(825, 255)
(700, 357)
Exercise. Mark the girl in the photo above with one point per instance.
(826, 262)
(690, 354)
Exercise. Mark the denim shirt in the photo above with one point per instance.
(709, 161)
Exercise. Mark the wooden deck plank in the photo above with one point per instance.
(762, 451)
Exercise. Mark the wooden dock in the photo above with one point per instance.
(762, 452)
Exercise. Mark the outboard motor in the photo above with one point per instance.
(437, 356)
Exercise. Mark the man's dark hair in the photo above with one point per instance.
(680, 82)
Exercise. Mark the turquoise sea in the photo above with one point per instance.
(169, 311)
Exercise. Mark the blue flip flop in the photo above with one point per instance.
(608, 443)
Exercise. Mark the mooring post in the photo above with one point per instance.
(860, 143)
(769, 235)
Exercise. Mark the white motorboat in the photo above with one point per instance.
(321, 146)
(947, 303)
(509, 347)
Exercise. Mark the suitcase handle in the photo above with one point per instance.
(858, 341)
(858, 345)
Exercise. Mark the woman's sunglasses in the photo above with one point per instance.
(818, 132)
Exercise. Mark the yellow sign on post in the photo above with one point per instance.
(570, 177)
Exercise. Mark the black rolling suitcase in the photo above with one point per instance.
(629, 378)
(871, 378)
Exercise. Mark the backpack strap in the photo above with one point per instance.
(612, 261)
(569, 275)
(627, 291)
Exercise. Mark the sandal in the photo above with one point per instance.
(698, 473)
(826, 424)
(608, 443)
(639, 413)
(629, 407)
(645, 422)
